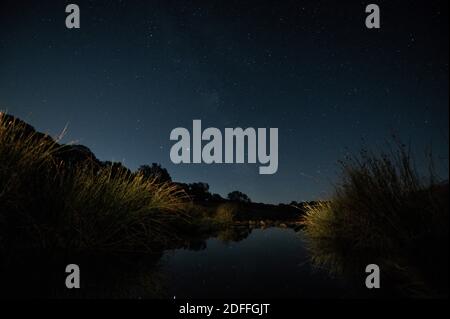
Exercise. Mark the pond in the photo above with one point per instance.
(247, 263)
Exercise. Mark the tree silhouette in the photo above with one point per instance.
(155, 171)
(216, 198)
(199, 191)
(237, 196)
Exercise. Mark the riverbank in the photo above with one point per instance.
(384, 212)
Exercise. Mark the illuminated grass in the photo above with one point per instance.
(383, 213)
(46, 204)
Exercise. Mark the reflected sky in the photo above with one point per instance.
(270, 262)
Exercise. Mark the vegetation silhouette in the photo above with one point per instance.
(156, 172)
(237, 196)
(61, 197)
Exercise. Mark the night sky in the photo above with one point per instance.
(137, 69)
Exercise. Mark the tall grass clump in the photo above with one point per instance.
(47, 204)
(225, 213)
(122, 211)
(383, 213)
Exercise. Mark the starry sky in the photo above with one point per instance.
(137, 69)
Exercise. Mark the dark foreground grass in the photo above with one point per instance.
(47, 204)
(383, 213)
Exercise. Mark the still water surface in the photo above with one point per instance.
(237, 263)
(269, 262)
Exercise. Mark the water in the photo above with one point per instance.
(238, 262)
(256, 263)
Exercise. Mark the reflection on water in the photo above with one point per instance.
(237, 262)
(247, 263)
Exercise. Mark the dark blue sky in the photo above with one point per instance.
(137, 69)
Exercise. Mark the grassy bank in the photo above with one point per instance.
(382, 212)
(50, 203)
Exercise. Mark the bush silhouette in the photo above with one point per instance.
(237, 196)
